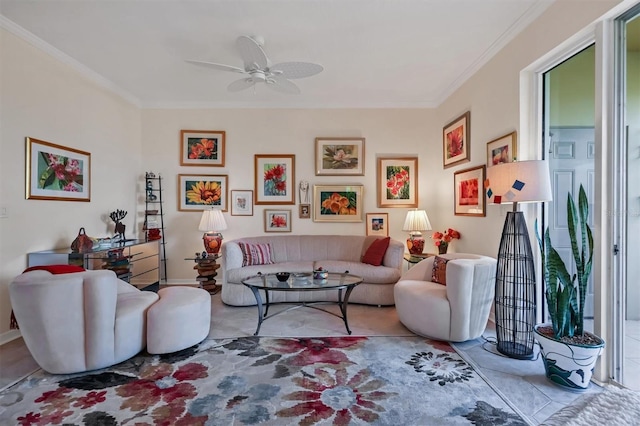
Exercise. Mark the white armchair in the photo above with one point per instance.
(79, 321)
(457, 311)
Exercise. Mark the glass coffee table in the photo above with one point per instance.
(302, 282)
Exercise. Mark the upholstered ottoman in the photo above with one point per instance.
(180, 319)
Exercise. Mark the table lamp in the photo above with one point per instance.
(212, 222)
(416, 222)
(515, 299)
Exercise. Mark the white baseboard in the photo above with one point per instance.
(8, 336)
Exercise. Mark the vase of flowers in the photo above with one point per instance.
(442, 239)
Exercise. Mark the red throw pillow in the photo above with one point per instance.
(375, 252)
(439, 271)
(57, 269)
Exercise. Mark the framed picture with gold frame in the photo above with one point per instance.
(455, 141)
(378, 224)
(241, 202)
(398, 182)
(198, 192)
(502, 150)
(274, 178)
(202, 148)
(339, 156)
(337, 203)
(468, 189)
(277, 220)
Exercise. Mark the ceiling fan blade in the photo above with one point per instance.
(213, 65)
(296, 69)
(281, 84)
(251, 53)
(241, 84)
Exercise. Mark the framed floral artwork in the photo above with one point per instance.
(274, 179)
(56, 172)
(378, 224)
(398, 182)
(202, 148)
(277, 220)
(197, 192)
(469, 192)
(502, 150)
(339, 156)
(241, 202)
(337, 203)
(455, 141)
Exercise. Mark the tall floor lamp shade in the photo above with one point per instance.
(515, 298)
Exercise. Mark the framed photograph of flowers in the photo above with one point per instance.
(455, 141)
(398, 182)
(277, 220)
(56, 172)
(241, 202)
(339, 156)
(275, 179)
(337, 203)
(378, 224)
(469, 192)
(197, 192)
(202, 148)
(502, 150)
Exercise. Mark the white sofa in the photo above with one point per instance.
(304, 253)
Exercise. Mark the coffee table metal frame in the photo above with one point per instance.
(334, 281)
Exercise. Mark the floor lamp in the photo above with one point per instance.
(515, 292)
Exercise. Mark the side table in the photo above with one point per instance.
(412, 259)
(207, 267)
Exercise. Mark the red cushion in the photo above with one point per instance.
(57, 269)
(375, 252)
(439, 271)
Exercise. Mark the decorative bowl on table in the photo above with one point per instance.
(282, 276)
(320, 274)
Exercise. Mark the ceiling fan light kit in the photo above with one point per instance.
(259, 70)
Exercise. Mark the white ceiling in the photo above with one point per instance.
(375, 53)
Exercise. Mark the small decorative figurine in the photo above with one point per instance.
(117, 217)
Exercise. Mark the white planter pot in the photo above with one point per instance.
(567, 365)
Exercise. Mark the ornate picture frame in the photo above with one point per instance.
(274, 179)
(241, 202)
(468, 192)
(378, 224)
(340, 156)
(503, 149)
(304, 211)
(198, 192)
(202, 148)
(337, 203)
(456, 137)
(397, 182)
(277, 220)
(56, 172)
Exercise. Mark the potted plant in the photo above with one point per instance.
(569, 353)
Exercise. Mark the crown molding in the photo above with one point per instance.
(287, 105)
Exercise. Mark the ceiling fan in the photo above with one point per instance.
(258, 68)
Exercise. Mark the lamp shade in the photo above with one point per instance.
(416, 221)
(212, 220)
(518, 182)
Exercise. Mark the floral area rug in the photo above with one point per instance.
(270, 381)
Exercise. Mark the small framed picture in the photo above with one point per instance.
(502, 150)
(197, 192)
(241, 202)
(274, 179)
(339, 156)
(305, 211)
(398, 182)
(378, 224)
(202, 148)
(337, 203)
(469, 192)
(455, 141)
(277, 220)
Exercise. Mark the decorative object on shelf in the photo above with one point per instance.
(198, 192)
(241, 202)
(277, 221)
(340, 157)
(455, 141)
(274, 178)
(442, 239)
(569, 353)
(416, 222)
(212, 222)
(337, 203)
(117, 217)
(467, 189)
(82, 243)
(502, 150)
(202, 148)
(515, 298)
(56, 172)
(378, 224)
(398, 182)
(320, 273)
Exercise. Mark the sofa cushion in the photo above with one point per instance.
(256, 254)
(375, 252)
(439, 271)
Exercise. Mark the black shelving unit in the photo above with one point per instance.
(153, 226)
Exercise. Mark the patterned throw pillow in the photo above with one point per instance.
(256, 254)
(375, 253)
(439, 271)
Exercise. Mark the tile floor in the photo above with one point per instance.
(521, 383)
